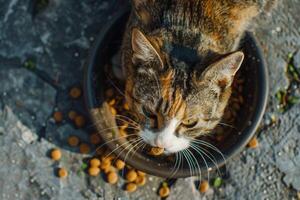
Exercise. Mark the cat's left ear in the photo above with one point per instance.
(222, 72)
(143, 50)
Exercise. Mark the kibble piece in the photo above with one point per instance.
(140, 173)
(126, 106)
(108, 169)
(73, 141)
(55, 154)
(253, 143)
(95, 138)
(58, 116)
(105, 164)
(84, 148)
(156, 151)
(109, 93)
(164, 191)
(112, 177)
(95, 162)
(131, 187)
(93, 171)
(79, 121)
(131, 175)
(75, 92)
(112, 102)
(72, 114)
(113, 111)
(204, 186)
(119, 164)
(62, 173)
(140, 180)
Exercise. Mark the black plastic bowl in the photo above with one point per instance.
(255, 94)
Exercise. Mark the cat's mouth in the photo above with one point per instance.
(166, 139)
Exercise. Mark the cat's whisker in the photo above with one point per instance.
(201, 142)
(175, 165)
(127, 118)
(112, 140)
(212, 158)
(138, 142)
(200, 153)
(115, 86)
(196, 163)
(125, 143)
(188, 161)
(228, 125)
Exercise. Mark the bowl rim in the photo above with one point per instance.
(247, 134)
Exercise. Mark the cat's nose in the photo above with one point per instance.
(159, 143)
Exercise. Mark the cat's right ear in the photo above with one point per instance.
(143, 50)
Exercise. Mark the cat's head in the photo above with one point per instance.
(171, 103)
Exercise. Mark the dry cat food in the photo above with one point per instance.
(73, 141)
(95, 162)
(55, 154)
(93, 171)
(156, 151)
(119, 164)
(131, 187)
(131, 175)
(75, 92)
(253, 143)
(58, 116)
(164, 191)
(112, 177)
(62, 173)
(204, 186)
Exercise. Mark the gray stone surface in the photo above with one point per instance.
(57, 39)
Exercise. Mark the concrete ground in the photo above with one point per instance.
(55, 37)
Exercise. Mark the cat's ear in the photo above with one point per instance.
(223, 71)
(143, 50)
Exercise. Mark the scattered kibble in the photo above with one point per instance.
(217, 182)
(140, 180)
(156, 151)
(79, 121)
(93, 171)
(131, 187)
(140, 173)
(55, 154)
(119, 164)
(84, 148)
(204, 186)
(95, 138)
(112, 177)
(131, 175)
(112, 102)
(62, 173)
(164, 191)
(109, 93)
(253, 143)
(75, 92)
(73, 141)
(58, 116)
(72, 114)
(105, 164)
(95, 162)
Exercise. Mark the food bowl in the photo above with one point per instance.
(255, 93)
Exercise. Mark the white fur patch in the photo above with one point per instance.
(166, 138)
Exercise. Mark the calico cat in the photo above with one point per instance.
(180, 59)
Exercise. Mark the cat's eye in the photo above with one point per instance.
(189, 123)
(148, 113)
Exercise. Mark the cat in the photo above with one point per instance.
(180, 58)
